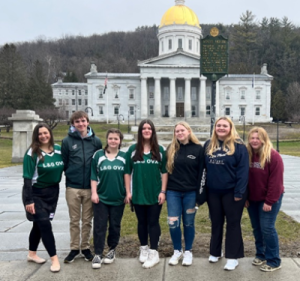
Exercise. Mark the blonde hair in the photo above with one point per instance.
(175, 145)
(266, 148)
(232, 138)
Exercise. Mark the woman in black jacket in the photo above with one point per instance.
(185, 160)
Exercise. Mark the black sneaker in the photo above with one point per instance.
(87, 254)
(110, 256)
(96, 263)
(71, 256)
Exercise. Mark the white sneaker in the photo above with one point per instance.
(231, 264)
(214, 259)
(143, 253)
(153, 259)
(187, 258)
(96, 262)
(177, 256)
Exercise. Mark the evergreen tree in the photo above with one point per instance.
(39, 92)
(12, 78)
(70, 77)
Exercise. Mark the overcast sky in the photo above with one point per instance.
(28, 20)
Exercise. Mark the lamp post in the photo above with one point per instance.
(76, 98)
(87, 110)
(128, 121)
(242, 119)
(277, 139)
(135, 110)
(122, 119)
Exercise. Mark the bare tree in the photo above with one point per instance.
(51, 116)
(293, 100)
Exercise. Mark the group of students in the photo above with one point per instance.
(225, 172)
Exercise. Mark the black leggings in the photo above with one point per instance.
(148, 223)
(42, 229)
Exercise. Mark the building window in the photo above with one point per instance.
(151, 92)
(197, 46)
(227, 96)
(180, 93)
(85, 102)
(162, 46)
(257, 111)
(67, 114)
(258, 94)
(67, 92)
(180, 43)
(59, 92)
(79, 92)
(73, 92)
(166, 94)
(85, 92)
(166, 111)
(101, 110)
(116, 110)
(190, 44)
(131, 94)
(208, 110)
(194, 93)
(227, 111)
(151, 111)
(67, 102)
(207, 94)
(243, 110)
(79, 102)
(170, 44)
(60, 102)
(193, 110)
(243, 94)
(131, 110)
(73, 102)
(116, 93)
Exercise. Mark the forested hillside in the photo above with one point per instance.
(28, 67)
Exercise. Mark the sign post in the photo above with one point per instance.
(214, 64)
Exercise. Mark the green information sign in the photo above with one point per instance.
(214, 57)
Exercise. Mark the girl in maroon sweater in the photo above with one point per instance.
(265, 196)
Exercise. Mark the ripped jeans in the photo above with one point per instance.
(181, 204)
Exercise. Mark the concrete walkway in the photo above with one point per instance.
(14, 230)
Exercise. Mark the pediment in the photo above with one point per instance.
(172, 59)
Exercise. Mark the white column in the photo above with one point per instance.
(217, 99)
(157, 98)
(187, 98)
(202, 97)
(144, 98)
(172, 111)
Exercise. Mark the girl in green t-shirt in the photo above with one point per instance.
(108, 194)
(146, 172)
(42, 170)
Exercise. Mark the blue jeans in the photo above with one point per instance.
(265, 234)
(181, 204)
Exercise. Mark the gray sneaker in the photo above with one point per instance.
(96, 262)
(110, 256)
(258, 261)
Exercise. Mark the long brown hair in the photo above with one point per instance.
(154, 147)
(113, 131)
(232, 138)
(35, 143)
(265, 150)
(174, 145)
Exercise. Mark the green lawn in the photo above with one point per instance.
(288, 229)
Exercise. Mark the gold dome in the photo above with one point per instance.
(179, 14)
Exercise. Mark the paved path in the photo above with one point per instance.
(14, 229)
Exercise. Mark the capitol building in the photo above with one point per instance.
(169, 86)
